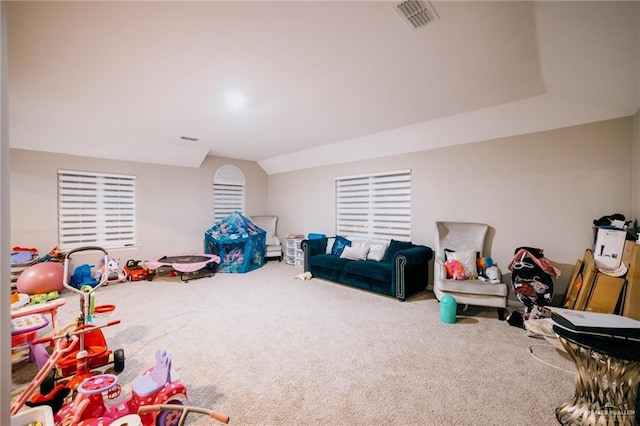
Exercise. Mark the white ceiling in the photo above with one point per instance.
(325, 81)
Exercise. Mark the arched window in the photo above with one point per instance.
(228, 192)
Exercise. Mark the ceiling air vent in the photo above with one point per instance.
(417, 12)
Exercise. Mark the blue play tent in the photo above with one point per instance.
(239, 243)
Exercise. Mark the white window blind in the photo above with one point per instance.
(228, 192)
(96, 209)
(376, 206)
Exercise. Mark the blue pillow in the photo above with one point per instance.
(339, 244)
(394, 247)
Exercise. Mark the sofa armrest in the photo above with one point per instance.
(410, 270)
(312, 248)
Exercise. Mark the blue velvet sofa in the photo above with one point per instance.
(403, 272)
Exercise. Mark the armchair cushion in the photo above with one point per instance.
(468, 259)
(473, 287)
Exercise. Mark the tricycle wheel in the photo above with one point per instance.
(118, 360)
(169, 417)
(48, 383)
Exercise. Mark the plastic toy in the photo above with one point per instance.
(18, 340)
(158, 385)
(111, 269)
(189, 266)
(64, 344)
(135, 271)
(186, 409)
(92, 344)
(44, 297)
(41, 278)
(93, 341)
(483, 264)
(82, 276)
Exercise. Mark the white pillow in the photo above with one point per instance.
(468, 260)
(330, 242)
(376, 251)
(355, 253)
(359, 242)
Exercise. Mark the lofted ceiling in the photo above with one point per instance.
(323, 82)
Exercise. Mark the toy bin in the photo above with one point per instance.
(42, 414)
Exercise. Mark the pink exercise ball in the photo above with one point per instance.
(41, 278)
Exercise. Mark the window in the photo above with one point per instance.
(96, 209)
(376, 206)
(228, 192)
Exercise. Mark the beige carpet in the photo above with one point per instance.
(266, 349)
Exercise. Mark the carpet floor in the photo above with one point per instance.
(267, 349)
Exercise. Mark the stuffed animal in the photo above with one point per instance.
(455, 269)
(303, 276)
(493, 274)
(483, 264)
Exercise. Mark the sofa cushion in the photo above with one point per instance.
(339, 244)
(328, 261)
(377, 271)
(394, 247)
(355, 253)
(377, 250)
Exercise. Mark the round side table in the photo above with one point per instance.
(607, 377)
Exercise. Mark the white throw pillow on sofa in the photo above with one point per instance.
(359, 242)
(355, 253)
(330, 242)
(377, 250)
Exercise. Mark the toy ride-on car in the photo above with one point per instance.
(158, 385)
(135, 271)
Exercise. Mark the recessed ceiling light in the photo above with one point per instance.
(236, 100)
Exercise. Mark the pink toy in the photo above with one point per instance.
(455, 269)
(188, 266)
(64, 344)
(41, 278)
(186, 409)
(158, 385)
(113, 271)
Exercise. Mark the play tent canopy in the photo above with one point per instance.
(239, 243)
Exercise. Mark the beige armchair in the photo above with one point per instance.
(273, 247)
(465, 237)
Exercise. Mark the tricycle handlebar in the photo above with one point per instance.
(186, 409)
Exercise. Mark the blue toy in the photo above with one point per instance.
(82, 276)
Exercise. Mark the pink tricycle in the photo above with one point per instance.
(158, 385)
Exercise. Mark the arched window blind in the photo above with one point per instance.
(228, 192)
(376, 206)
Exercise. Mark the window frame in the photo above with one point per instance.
(229, 191)
(96, 209)
(374, 206)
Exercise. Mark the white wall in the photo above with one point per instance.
(541, 190)
(635, 168)
(174, 208)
